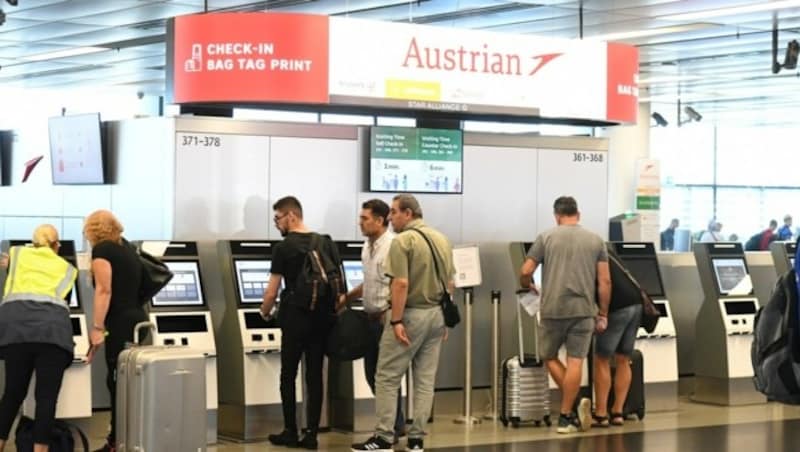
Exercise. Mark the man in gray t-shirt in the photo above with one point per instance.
(574, 274)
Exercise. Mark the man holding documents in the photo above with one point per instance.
(575, 273)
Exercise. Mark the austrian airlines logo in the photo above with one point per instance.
(482, 60)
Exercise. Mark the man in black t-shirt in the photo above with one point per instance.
(303, 330)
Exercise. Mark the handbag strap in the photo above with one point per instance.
(434, 254)
(628, 275)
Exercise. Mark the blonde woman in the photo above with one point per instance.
(117, 274)
(35, 330)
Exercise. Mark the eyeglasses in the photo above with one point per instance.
(278, 218)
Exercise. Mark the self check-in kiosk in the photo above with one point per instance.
(659, 348)
(75, 396)
(783, 253)
(250, 360)
(181, 315)
(724, 328)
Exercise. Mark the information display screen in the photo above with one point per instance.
(729, 273)
(184, 289)
(645, 271)
(353, 273)
(252, 279)
(404, 159)
(76, 149)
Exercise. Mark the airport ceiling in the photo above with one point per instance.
(714, 55)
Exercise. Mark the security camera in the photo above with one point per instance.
(12, 2)
(2, 17)
(659, 119)
(790, 62)
(693, 114)
(139, 94)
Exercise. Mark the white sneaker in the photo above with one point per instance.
(585, 414)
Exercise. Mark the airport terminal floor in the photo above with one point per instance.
(693, 427)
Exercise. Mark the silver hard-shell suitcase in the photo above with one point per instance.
(161, 398)
(525, 395)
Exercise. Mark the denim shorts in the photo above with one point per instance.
(575, 334)
(620, 335)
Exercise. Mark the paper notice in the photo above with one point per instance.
(530, 302)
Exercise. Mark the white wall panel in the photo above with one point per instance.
(499, 201)
(443, 212)
(222, 192)
(21, 228)
(323, 175)
(587, 181)
(81, 200)
(143, 196)
(72, 229)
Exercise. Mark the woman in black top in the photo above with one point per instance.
(117, 274)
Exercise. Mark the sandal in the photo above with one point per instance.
(617, 419)
(600, 421)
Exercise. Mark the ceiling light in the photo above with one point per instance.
(64, 53)
(646, 33)
(735, 10)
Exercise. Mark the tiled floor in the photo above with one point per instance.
(693, 427)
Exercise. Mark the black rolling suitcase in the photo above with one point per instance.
(634, 404)
(525, 393)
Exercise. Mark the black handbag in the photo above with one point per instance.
(449, 308)
(61, 438)
(350, 338)
(155, 274)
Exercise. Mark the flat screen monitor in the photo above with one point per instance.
(404, 159)
(184, 289)
(252, 278)
(729, 272)
(76, 150)
(646, 273)
(353, 273)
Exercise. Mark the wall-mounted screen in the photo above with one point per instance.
(252, 278)
(729, 272)
(404, 159)
(184, 289)
(353, 273)
(645, 271)
(76, 150)
(740, 307)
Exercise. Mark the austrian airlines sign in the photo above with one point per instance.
(295, 58)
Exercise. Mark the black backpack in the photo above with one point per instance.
(320, 281)
(61, 436)
(775, 352)
(753, 243)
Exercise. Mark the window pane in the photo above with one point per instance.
(686, 153)
(762, 156)
(693, 206)
(739, 211)
(777, 203)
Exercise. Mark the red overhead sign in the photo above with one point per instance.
(257, 57)
(622, 98)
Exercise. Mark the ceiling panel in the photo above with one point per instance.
(721, 63)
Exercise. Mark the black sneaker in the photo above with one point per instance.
(285, 438)
(415, 444)
(374, 444)
(309, 441)
(568, 424)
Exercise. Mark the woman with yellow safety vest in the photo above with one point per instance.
(35, 331)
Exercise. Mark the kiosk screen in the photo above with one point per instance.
(729, 273)
(252, 278)
(662, 309)
(73, 297)
(184, 289)
(353, 273)
(76, 326)
(646, 273)
(740, 307)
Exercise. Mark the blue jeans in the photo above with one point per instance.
(620, 335)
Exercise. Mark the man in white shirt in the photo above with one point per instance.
(374, 291)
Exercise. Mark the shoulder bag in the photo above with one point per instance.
(449, 309)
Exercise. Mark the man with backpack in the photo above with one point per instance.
(311, 269)
(419, 264)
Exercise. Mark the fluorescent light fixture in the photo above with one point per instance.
(734, 10)
(64, 53)
(649, 32)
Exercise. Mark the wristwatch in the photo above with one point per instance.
(395, 322)
(99, 327)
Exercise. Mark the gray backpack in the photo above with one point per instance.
(775, 352)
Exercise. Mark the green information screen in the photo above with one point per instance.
(403, 159)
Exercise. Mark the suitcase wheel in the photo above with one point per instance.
(547, 421)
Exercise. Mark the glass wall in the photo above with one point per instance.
(742, 177)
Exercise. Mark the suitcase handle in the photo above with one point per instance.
(140, 326)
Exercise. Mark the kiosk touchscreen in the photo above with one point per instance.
(724, 328)
(783, 254)
(659, 348)
(181, 315)
(250, 346)
(75, 396)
